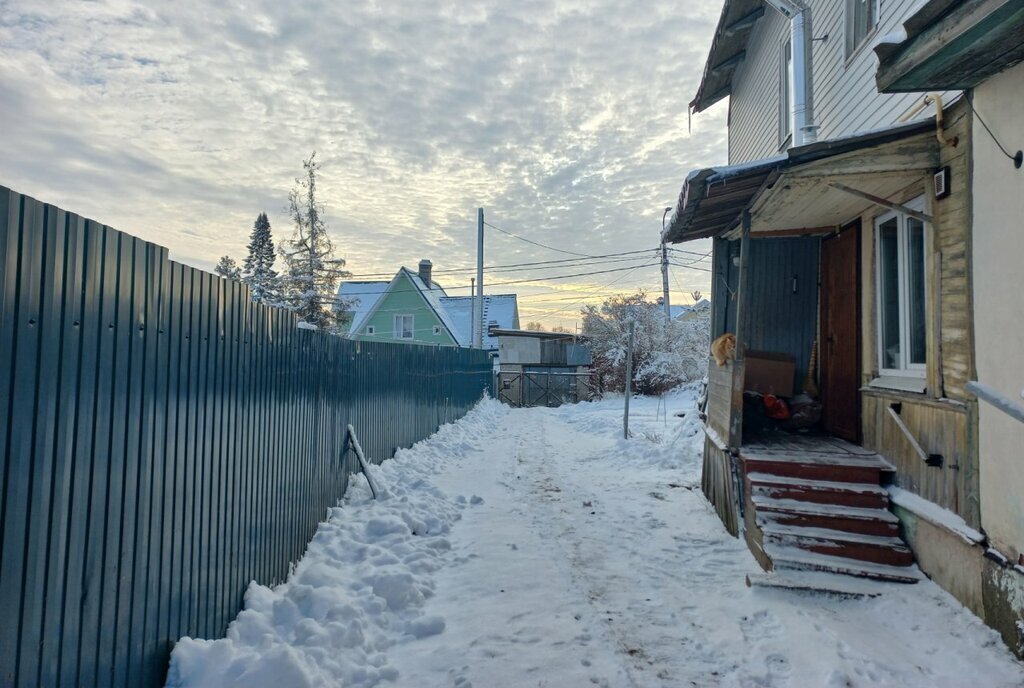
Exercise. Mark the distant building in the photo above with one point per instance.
(542, 368)
(413, 308)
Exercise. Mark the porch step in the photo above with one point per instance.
(887, 550)
(860, 495)
(792, 512)
(820, 582)
(844, 468)
(794, 559)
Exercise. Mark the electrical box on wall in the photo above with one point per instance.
(941, 182)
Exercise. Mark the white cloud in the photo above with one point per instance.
(179, 122)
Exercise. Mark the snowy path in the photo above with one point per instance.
(561, 555)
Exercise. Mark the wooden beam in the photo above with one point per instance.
(744, 22)
(729, 63)
(742, 305)
(794, 231)
(969, 36)
(885, 203)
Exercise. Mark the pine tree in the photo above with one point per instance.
(313, 271)
(228, 268)
(258, 267)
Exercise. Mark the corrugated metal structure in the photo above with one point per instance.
(164, 441)
(783, 296)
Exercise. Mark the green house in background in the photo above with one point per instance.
(413, 308)
(407, 308)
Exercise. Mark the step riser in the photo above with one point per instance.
(868, 500)
(817, 471)
(846, 525)
(782, 566)
(856, 551)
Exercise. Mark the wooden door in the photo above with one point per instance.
(840, 333)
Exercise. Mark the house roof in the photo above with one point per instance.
(361, 298)
(501, 310)
(537, 334)
(728, 50)
(679, 311)
(713, 200)
(951, 44)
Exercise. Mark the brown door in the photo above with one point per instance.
(840, 333)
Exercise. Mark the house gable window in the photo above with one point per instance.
(861, 20)
(900, 267)
(437, 329)
(403, 327)
(786, 94)
(371, 330)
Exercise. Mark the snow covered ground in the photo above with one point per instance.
(536, 547)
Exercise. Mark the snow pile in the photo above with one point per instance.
(536, 547)
(358, 591)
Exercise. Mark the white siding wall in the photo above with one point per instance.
(845, 97)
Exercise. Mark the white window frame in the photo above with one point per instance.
(399, 330)
(371, 330)
(437, 329)
(785, 92)
(911, 376)
(853, 46)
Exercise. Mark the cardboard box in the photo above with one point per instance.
(769, 372)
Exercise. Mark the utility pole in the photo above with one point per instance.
(629, 381)
(478, 304)
(664, 268)
(472, 296)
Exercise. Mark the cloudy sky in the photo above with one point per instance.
(180, 121)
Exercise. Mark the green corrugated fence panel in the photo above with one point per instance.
(164, 441)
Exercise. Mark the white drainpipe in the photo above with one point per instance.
(799, 14)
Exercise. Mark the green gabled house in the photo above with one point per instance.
(408, 309)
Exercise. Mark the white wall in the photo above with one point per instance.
(998, 273)
(846, 99)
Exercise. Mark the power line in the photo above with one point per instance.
(498, 284)
(579, 274)
(605, 287)
(536, 243)
(562, 262)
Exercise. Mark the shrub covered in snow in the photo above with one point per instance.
(665, 354)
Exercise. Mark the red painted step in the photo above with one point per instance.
(791, 512)
(890, 551)
(860, 495)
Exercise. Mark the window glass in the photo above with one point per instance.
(915, 276)
(860, 21)
(403, 327)
(889, 301)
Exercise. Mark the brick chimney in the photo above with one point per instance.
(426, 268)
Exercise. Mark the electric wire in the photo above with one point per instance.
(970, 103)
(535, 243)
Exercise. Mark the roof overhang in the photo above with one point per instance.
(728, 50)
(535, 334)
(952, 44)
(807, 190)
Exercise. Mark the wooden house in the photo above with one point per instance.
(979, 48)
(842, 235)
(412, 308)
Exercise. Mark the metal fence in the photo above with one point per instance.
(164, 441)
